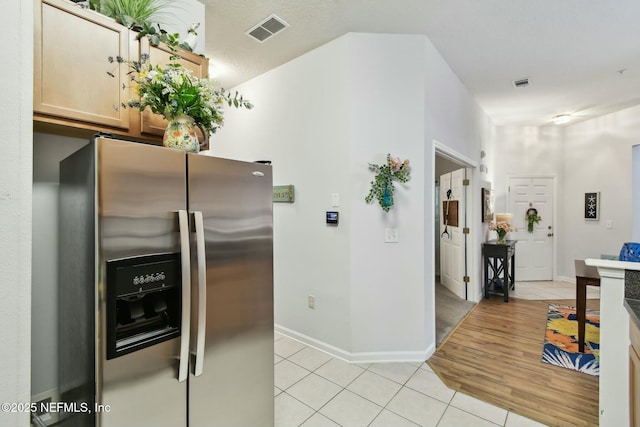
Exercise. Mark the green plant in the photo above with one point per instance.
(382, 185)
(130, 13)
(157, 35)
(173, 91)
(532, 218)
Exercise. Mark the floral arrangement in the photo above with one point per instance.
(382, 185)
(502, 228)
(174, 91)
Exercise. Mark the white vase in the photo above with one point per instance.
(192, 40)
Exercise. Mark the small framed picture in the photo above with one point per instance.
(487, 205)
(592, 206)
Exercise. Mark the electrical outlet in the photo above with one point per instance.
(391, 235)
(311, 301)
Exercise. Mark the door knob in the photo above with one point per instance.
(550, 235)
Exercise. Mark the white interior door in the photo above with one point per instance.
(452, 242)
(534, 251)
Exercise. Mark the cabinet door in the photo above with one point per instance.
(71, 48)
(634, 387)
(153, 124)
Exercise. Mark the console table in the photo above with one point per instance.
(500, 259)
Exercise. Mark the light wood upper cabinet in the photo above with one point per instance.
(70, 65)
(72, 90)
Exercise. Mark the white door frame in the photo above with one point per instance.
(474, 287)
(554, 224)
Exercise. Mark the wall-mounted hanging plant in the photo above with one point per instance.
(532, 218)
(382, 185)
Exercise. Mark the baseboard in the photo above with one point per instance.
(358, 357)
(566, 279)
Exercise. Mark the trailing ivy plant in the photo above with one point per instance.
(382, 185)
(157, 35)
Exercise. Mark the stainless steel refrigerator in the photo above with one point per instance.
(165, 288)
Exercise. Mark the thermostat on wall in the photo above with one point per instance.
(332, 217)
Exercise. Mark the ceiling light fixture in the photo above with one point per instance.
(561, 119)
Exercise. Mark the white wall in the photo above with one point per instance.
(387, 89)
(598, 157)
(301, 123)
(321, 119)
(15, 209)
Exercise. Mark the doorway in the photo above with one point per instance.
(532, 195)
(451, 252)
(453, 222)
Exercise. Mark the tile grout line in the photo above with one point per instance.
(392, 397)
(382, 408)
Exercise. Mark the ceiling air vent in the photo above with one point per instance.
(521, 83)
(267, 28)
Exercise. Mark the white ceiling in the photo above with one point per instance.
(572, 51)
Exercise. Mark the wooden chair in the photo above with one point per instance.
(585, 276)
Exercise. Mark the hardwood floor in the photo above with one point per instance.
(495, 355)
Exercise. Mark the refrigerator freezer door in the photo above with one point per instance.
(140, 189)
(235, 388)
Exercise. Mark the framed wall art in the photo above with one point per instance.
(487, 205)
(592, 206)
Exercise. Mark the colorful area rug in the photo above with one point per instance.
(561, 340)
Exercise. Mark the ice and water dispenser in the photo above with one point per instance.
(143, 302)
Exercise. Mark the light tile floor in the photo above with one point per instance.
(551, 290)
(314, 389)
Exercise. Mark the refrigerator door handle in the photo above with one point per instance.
(185, 326)
(202, 292)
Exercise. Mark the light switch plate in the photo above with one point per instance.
(391, 235)
(335, 200)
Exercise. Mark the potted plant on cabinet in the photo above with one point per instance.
(185, 100)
